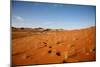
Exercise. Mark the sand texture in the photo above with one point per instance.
(30, 47)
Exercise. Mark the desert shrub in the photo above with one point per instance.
(22, 28)
(47, 29)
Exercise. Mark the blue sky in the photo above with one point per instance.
(54, 16)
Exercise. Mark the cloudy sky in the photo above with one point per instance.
(55, 16)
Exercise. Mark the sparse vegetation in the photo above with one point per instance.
(42, 47)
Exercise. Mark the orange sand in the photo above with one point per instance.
(53, 46)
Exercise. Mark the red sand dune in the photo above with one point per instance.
(53, 46)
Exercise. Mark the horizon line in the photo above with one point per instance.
(56, 28)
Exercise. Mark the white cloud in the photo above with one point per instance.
(19, 18)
